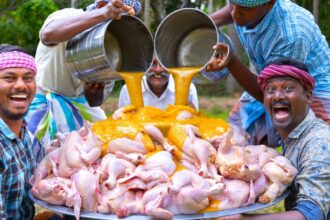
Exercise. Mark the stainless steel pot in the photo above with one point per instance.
(186, 38)
(98, 54)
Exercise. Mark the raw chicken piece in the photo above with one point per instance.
(127, 146)
(47, 166)
(185, 177)
(184, 115)
(52, 190)
(195, 150)
(120, 113)
(259, 154)
(161, 160)
(121, 201)
(236, 194)
(232, 163)
(78, 150)
(156, 135)
(161, 204)
(155, 170)
(112, 168)
(279, 173)
(239, 137)
(85, 192)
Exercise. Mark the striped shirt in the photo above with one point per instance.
(308, 149)
(288, 31)
(17, 162)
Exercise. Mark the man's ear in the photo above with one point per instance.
(309, 96)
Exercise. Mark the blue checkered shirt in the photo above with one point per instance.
(308, 149)
(287, 31)
(17, 162)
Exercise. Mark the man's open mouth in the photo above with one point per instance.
(157, 76)
(22, 97)
(281, 112)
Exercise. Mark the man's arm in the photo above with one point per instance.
(222, 16)
(245, 78)
(65, 28)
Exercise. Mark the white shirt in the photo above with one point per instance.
(150, 99)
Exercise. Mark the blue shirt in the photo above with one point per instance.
(308, 149)
(287, 31)
(17, 162)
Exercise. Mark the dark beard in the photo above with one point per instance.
(12, 116)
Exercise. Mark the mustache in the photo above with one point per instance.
(163, 74)
(282, 102)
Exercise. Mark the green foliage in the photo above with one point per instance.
(21, 26)
(324, 15)
(216, 112)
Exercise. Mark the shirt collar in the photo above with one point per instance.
(6, 131)
(263, 25)
(297, 132)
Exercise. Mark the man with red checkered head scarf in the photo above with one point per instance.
(287, 94)
(18, 157)
(305, 140)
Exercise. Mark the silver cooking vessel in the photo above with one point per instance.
(185, 38)
(98, 54)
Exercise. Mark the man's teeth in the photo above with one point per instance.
(23, 96)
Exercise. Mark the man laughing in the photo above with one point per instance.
(18, 157)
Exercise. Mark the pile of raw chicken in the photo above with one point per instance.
(159, 163)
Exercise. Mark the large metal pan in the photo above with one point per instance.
(68, 212)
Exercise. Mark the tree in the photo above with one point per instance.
(21, 26)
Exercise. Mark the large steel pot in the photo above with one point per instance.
(98, 54)
(185, 38)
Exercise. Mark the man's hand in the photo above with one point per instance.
(115, 8)
(222, 57)
(94, 93)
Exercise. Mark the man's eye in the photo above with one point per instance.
(28, 79)
(270, 90)
(288, 88)
(9, 78)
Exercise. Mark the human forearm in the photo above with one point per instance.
(222, 16)
(65, 28)
(245, 78)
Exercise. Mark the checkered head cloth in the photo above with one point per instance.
(249, 3)
(306, 80)
(16, 59)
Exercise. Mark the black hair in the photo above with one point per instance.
(290, 62)
(10, 48)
